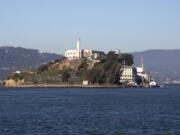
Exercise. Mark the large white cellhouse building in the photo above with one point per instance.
(74, 54)
(83, 53)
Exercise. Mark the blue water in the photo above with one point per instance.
(90, 111)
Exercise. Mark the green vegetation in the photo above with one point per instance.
(107, 71)
(66, 76)
(17, 77)
(53, 72)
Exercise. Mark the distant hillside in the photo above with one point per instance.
(164, 64)
(17, 58)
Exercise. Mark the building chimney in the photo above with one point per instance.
(142, 63)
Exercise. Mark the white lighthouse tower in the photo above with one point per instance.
(78, 44)
(78, 48)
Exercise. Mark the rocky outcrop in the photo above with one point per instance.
(67, 64)
(13, 83)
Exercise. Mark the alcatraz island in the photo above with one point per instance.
(85, 68)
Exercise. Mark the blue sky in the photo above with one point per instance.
(54, 25)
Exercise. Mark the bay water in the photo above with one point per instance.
(90, 111)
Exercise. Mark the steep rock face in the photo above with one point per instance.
(17, 58)
(67, 64)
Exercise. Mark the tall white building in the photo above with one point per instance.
(74, 54)
(127, 74)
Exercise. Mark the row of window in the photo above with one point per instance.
(71, 53)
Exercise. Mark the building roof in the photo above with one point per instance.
(139, 69)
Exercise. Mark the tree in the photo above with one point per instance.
(138, 80)
(127, 59)
(107, 71)
(112, 55)
(66, 75)
(96, 75)
(42, 68)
